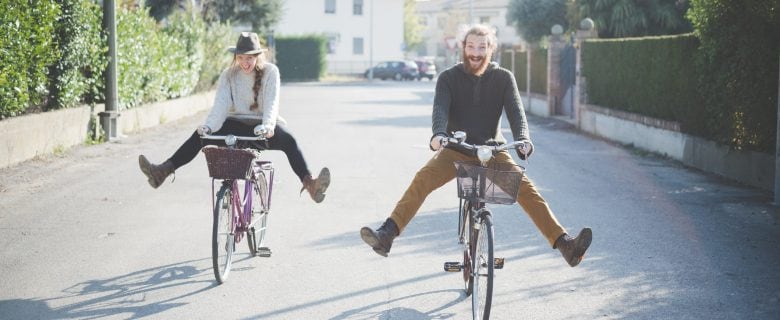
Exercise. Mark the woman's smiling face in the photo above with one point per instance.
(247, 62)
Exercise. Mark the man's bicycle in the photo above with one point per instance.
(479, 184)
(243, 201)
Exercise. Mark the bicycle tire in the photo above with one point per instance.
(468, 249)
(484, 265)
(257, 233)
(222, 236)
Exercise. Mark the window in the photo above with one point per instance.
(357, 7)
(357, 46)
(423, 21)
(330, 6)
(484, 20)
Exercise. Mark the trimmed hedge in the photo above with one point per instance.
(301, 58)
(653, 76)
(77, 76)
(26, 42)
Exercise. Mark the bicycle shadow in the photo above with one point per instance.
(123, 294)
(365, 312)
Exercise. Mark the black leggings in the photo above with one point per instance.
(282, 140)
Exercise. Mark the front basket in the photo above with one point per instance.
(497, 183)
(225, 163)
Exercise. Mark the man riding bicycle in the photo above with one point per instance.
(471, 97)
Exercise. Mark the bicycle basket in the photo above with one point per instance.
(225, 163)
(498, 183)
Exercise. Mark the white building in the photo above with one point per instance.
(444, 22)
(358, 34)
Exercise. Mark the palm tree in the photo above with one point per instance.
(634, 18)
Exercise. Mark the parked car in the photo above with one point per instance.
(426, 69)
(396, 69)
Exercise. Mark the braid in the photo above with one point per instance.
(256, 87)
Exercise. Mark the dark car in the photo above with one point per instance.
(426, 69)
(397, 70)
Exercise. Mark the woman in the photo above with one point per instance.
(247, 101)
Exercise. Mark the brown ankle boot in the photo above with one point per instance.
(380, 240)
(155, 173)
(317, 187)
(573, 249)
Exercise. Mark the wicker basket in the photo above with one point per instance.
(497, 184)
(225, 163)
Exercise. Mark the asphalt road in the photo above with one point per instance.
(83, 236)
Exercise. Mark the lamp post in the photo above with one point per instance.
(108, 118)
(371, 41)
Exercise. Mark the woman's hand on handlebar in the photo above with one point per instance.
(263, 130)
(203, 130)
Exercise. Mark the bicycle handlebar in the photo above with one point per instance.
(461, 141)
(231, 140)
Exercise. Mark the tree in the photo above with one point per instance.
(262, 15)
(738, 63)
(534, 18)
(412, 26)
(633, 18)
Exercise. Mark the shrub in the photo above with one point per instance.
(301, 58)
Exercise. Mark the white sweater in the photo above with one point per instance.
(234, 97)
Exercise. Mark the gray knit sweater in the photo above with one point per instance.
(465, 102)
(235, 96)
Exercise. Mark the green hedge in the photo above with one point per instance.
(738, 63)
(538, 69)
(77, 76)
(301, 58)
(654, 76)
(26, 52)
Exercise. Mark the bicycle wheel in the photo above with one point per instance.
(256, 234)
(222, 236)
(484, 267)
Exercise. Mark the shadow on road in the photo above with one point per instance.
(119, 295)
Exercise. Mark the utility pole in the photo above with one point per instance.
(777, 141)
(108, 118)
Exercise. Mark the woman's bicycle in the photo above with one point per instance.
(243, 201)
(480, 183)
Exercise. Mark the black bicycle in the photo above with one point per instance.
(479, 183)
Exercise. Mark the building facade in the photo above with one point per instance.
(444, 22)
(360, 33)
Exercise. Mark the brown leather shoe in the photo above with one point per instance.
(382, 239)
(155, 173)
(317, 187)
(573, 249)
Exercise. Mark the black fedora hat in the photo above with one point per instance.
(248, 43)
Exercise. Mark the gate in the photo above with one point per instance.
(567, 70)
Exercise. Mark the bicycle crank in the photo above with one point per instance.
(453, 267)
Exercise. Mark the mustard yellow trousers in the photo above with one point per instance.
(441, 169)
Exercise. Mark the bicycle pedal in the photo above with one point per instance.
(498, 263)
(264, 252)
(453, 267)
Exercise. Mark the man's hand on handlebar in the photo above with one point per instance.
(436, 142)
(525, 150)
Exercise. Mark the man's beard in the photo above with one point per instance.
(479, 69)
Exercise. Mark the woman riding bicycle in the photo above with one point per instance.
(470, 97)
(246, 102)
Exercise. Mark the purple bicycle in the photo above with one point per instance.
(243, 201)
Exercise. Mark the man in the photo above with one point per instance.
(470, 97)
